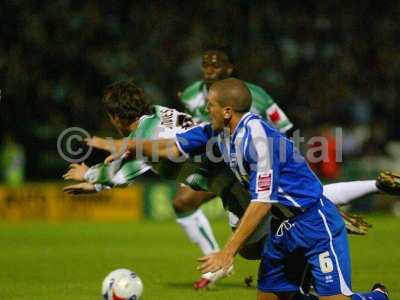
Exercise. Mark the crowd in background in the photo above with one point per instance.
(326, 63)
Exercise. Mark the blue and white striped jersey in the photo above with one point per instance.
(262, 159)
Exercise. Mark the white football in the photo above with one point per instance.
(122, 284)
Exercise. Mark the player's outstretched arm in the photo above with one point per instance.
(253, 215)
(161, 148)
(91, 180)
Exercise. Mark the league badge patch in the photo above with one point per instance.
(264, 181)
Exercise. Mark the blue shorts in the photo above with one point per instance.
(316, 238)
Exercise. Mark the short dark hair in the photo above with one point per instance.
(126, 100)
(220, 47)
(233, 92)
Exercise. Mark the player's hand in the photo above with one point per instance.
(216, 261)
(126, 155)
(76, 172)
(109, 159)
(80, 188)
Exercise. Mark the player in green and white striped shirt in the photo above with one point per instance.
(161, 122)
(133, 117)
(217, 65)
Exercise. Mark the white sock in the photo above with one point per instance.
(344, 192)
(198, 229)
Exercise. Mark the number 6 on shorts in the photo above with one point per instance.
(325, 262)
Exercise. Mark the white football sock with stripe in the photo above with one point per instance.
(344, 192)
(198, 229)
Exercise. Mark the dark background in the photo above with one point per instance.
(335, 63)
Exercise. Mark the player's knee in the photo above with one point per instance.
(251, 251)
(182, 203)
(249, 255)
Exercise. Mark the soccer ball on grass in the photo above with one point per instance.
(122, 284)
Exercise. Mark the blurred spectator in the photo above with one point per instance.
(330, 62)
(12, 161)
(324, 158)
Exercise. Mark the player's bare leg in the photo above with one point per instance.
(187, 199)
(252, 251)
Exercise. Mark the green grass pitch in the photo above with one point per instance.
(69, 261)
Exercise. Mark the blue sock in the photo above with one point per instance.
(374, 295)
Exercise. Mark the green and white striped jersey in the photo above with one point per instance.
(164, 123)
(194, 99)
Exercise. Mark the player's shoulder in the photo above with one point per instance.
(192, 90)
(149, 121)
(201, 129)
(257, 91)
(166, 115)
(253, 86)
(256, 124)
(252, 119)
(145, 123)
(162, 110)
(203, 126)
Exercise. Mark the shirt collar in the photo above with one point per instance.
(239, 125)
